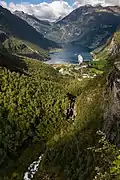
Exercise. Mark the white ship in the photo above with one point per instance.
(80, 59)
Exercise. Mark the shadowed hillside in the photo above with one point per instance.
(21, 29)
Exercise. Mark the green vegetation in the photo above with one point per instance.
(80, 153)
(68, 157)
(100, 58)
(33, 100)
(32, 106)
(24, 48)
(117, 38)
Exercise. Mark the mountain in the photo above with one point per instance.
(59, 19)
(87, 25)
(69, 123)
(19, 28)
(42, 26)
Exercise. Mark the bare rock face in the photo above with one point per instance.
(112, 105)
(114, 47)
(112, 92)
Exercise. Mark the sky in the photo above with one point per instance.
(51, 9)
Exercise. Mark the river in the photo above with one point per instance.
(69, 54)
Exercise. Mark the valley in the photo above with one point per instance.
(59, 120)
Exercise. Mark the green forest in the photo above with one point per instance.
(31, 108)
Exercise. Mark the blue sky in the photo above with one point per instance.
(35, 1)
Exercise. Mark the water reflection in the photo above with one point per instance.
(69, 54)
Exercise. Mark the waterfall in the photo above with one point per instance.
(32, 169)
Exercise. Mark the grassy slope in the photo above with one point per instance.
(17, 46)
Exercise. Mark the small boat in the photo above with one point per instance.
(52, 52)
(80, 59)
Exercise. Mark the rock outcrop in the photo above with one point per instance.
(112, 95)
(112, 106)
(114, 47)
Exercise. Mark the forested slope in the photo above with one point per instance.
(90, 149)
(33, 100)
(32, 105)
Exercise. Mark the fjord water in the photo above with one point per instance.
(69, 54)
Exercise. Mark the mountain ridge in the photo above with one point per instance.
(87, 25)
(42, 26)
(36, 109)
(18, 27)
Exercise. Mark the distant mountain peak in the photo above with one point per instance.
(42, 26)
(20, 12)
(87, 25)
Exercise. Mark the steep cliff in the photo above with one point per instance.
(112, 93)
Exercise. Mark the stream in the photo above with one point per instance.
(32, 169)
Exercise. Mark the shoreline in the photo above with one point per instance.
(55, 50)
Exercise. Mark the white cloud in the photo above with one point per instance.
(50, 11)
(102, 2)
(3, 3)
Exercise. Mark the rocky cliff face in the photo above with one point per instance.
(87, 25)
(112, 112)
(114, 47)
(112, 95)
